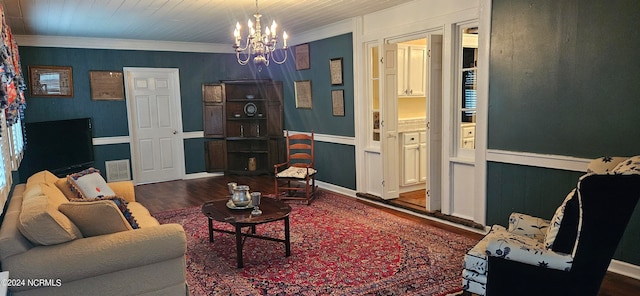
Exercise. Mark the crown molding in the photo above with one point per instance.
(122, 44)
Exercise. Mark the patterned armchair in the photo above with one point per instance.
(567, 255)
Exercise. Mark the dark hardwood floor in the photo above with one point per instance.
(173, 195)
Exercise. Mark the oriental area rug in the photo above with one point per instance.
(339, 246)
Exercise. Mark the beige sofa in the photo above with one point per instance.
(49, 253)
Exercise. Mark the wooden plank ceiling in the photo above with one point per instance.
(208, 21)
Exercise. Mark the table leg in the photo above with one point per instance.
(287, 239)
(210, 230)
(239, 245)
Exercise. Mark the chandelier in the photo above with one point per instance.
(258, 45)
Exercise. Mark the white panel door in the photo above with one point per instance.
(433, 138)
(155, 124)
(389, 124)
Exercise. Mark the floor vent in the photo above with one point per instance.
(118, 170)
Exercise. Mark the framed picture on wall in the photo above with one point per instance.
(51, 81)
(106, 85)
(301, 56)
(335, 68)
(337, 100)
(303, 94)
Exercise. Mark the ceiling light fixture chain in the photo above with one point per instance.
(258, 45)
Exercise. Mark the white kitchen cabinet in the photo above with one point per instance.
(414, 158)
(468, 135)
(412, 70)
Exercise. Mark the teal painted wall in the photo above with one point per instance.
(335, 162)
(110, 117)
(564, 80)
(564, 77)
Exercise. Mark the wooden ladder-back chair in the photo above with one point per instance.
(295, 179)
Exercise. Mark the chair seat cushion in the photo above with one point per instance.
(527, 250)
(296, 172)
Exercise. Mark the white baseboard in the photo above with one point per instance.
(624, 268)
(201, 175)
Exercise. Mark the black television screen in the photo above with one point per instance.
(62, 146)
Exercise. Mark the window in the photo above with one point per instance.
(17, 144)
(5, 160)
(467, 63)
(373, 71)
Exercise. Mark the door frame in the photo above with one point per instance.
(133, 147)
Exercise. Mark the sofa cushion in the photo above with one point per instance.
(89, 184)
(96, 216)
(41, 222)
(42, 177)
(563, 230)
(32, 187)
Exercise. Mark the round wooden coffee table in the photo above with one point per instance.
(272, 210)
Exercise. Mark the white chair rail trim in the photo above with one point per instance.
(549, 161)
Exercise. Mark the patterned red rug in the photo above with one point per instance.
(339, 246)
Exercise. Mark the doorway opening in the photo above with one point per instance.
(416, 112)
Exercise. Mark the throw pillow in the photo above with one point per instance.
(563, 230)
(629, 166)
(65, 188)
(89, 184)
(99, 216)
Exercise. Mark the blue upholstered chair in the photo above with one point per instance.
(567, 255)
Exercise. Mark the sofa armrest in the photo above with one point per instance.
(124, 189)
(92, 256)
(529, 226)
(529, 251)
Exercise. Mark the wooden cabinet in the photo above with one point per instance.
(213, 108)
(243, 123)
(412, 70)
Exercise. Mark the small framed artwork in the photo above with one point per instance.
(106, 85)
(337, 99)
(303, 94)
(335, 68)
(51, 81)
(301, 53)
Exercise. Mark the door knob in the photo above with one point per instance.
(175, 132)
